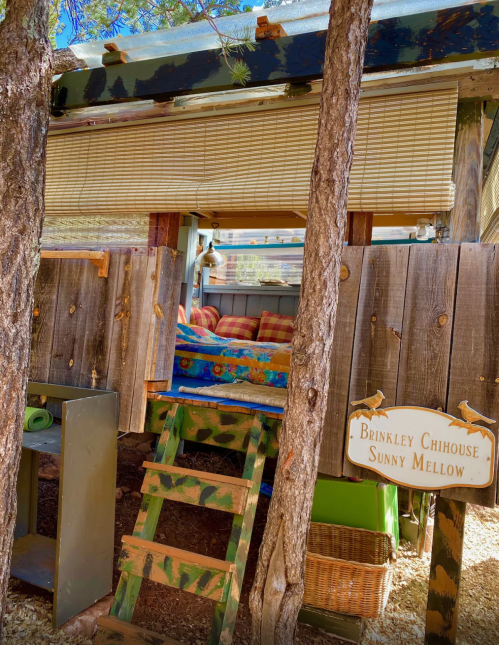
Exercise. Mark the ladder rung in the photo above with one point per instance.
(196, 487)
(198, 574)
(116, 632)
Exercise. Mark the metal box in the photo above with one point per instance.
(78, 565)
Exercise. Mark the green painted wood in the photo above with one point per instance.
(174, 568)
(212, 426)
(193, 488)
(147, 519)
(226, 612)
(116, 632)
(458, 33)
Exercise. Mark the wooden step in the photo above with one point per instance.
(196, 487)
(116, 632)
(198, 574)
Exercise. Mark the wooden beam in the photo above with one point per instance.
(100, 259)
(473, 85)
(458, 33)
(468, 169)
(445, 573)
(360, 229)
(163, 229)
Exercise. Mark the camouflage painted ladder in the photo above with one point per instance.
(141, 557)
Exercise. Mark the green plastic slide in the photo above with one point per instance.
(36, 419)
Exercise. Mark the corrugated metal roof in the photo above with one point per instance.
(296, 18)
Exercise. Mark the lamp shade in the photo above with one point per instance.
(211, 258)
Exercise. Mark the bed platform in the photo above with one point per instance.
(174, 395)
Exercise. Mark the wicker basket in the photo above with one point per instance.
(348, 570)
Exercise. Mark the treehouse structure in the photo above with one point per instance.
(147, 157)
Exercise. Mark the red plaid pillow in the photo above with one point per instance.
(181, 318)
(275, 328)
(207, 317)
(241, 327)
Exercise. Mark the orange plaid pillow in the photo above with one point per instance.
(207, 317)
(182, 317)
(275, 328)
(241, 327)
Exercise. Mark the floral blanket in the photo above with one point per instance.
(202, 354)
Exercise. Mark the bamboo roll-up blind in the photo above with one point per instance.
(257, 161)
(489, 219)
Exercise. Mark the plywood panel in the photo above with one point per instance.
(378, 330)
(239, 306)
(253, 307)
(287, 306)
(331, 458)
(474, 371)
(226, 302)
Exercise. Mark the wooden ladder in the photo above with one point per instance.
(141, 557)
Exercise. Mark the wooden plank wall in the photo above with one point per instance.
(420, 324)
(115, 333)
(241, 304)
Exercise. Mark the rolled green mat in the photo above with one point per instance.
(36, 419)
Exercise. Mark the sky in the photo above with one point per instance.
(63, 38)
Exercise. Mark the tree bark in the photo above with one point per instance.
(25, 79)
(66, 61)
(278, 587)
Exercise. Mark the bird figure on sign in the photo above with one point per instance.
(470, 417)
(373, 403)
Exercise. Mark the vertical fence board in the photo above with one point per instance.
(378, 331)
(474, 373)
(331, 458)
(427, 331)
(99, 327)
(45, 305)
(126, 332)
(70, 320)
(162, 310)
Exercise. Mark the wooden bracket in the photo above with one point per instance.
(266, 31)
(114, 55)
(101, 259)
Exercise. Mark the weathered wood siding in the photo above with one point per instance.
(423, 323)
(112, 333)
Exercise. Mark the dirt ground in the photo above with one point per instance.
(187, 618)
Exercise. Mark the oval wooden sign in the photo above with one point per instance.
(421, 448)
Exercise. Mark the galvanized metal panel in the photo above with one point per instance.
(86, 504)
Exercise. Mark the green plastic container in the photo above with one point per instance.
(362, 505)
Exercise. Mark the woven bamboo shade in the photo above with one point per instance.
(489, 220)
(257, 161)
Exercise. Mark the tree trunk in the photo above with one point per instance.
(278, 588)
(25, 79)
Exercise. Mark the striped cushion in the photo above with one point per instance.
(207, 317)
(275, 328)
(241, 327)
(181, 318)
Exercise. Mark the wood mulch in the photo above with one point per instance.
(187, 618)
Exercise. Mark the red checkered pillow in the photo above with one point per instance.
(241, 327)
(275, 328)
(207, 317)
(181, 318)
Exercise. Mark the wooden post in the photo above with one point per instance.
(163, 229)
(359, 229)
(445, 573)
(468, 168)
